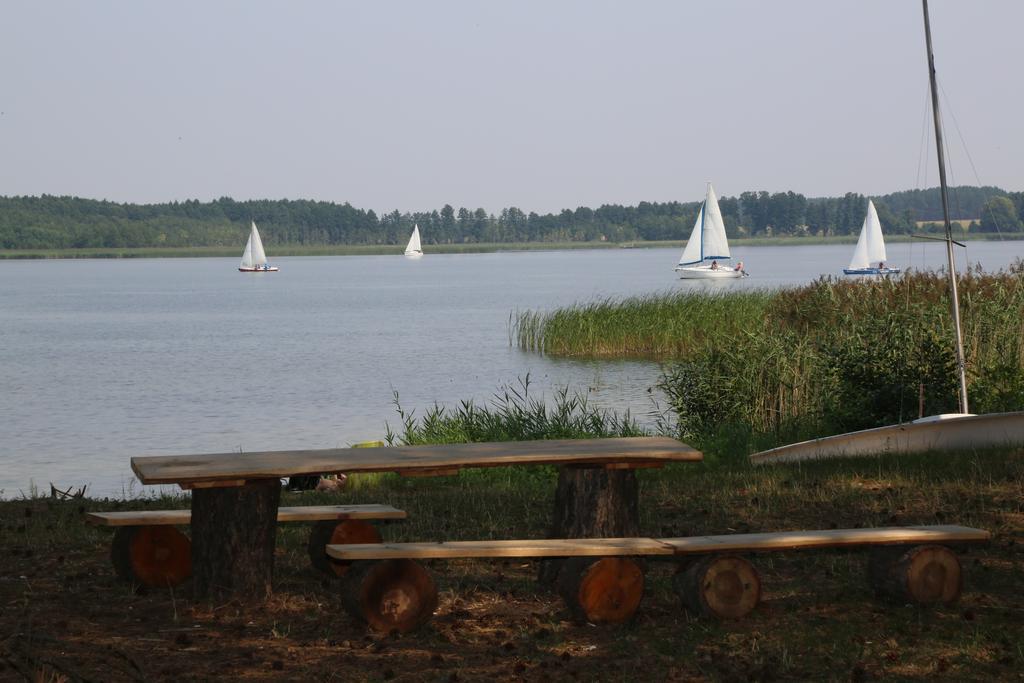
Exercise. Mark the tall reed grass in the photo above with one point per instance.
(653, 326)
(830, 356)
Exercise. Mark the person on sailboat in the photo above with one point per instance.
(739, 267)
(881, 265)
(714, 265)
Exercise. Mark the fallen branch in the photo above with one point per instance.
(64, 495)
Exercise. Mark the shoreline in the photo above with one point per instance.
(475, 248)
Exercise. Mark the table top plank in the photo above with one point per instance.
(224, 467)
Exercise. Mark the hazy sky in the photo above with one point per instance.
(538, 104)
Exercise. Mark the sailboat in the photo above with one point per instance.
(254, 259)
(708, 245)
(870, 248)
(946, 432)
(414, 249)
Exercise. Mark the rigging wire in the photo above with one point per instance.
(923, 154)
(967, 152)
(925, 147)
(956, 125)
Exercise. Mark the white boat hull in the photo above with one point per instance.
(706, 272)
(871, 271)
(414, 254)
(955, 432)
(268, 269)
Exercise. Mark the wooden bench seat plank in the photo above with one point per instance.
(558, 547)
(827, 538)
(191, 469)
(305, 513)
(602, 547)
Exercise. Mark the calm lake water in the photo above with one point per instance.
(101, 360)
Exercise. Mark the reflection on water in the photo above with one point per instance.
(104, 359)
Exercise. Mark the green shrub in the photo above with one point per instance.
(837, 356)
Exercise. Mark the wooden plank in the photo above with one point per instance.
(827, 538)
(441, 472)
(603, 547)
(139, 518)
(632, 465)
(314, 513)
(192, 469)
(593, 547)
(307, 513)
(221, 484)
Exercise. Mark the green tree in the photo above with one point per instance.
(447, 232)
(999, 215)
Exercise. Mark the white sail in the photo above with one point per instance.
(707, 241)
(414, 248)
(247, 254)
(253, 257)
(716, 246)
(870, 247)
(259, 257)
(691, 253)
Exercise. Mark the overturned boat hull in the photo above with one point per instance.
(954, 432)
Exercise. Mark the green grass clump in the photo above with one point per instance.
(513, 415)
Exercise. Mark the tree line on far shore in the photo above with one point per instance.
(51, 222)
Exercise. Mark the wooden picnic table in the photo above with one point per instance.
(235, 496)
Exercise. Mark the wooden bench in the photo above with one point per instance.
(234, 494)
(601, 581)
(147, 548)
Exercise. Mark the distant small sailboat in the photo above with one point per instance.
(870, 248)
(708, 245)
(414, 249)
(254, 259)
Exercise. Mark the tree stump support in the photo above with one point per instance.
(923, 574)
(330, 532)
(234, 530)
(601, 590)
(592, 502)
(722, 586)
(389, 595)
(152, 556)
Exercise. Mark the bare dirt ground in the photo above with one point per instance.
(64, 615)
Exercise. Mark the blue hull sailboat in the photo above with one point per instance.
(870, 248)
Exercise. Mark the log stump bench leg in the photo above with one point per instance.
(331, 532)
(390, 595)
(152, 556)
(591, 502)
(722, 586)
(923, 574)
(233, 534)
(601, 590)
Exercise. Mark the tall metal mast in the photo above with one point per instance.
(954, 297)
